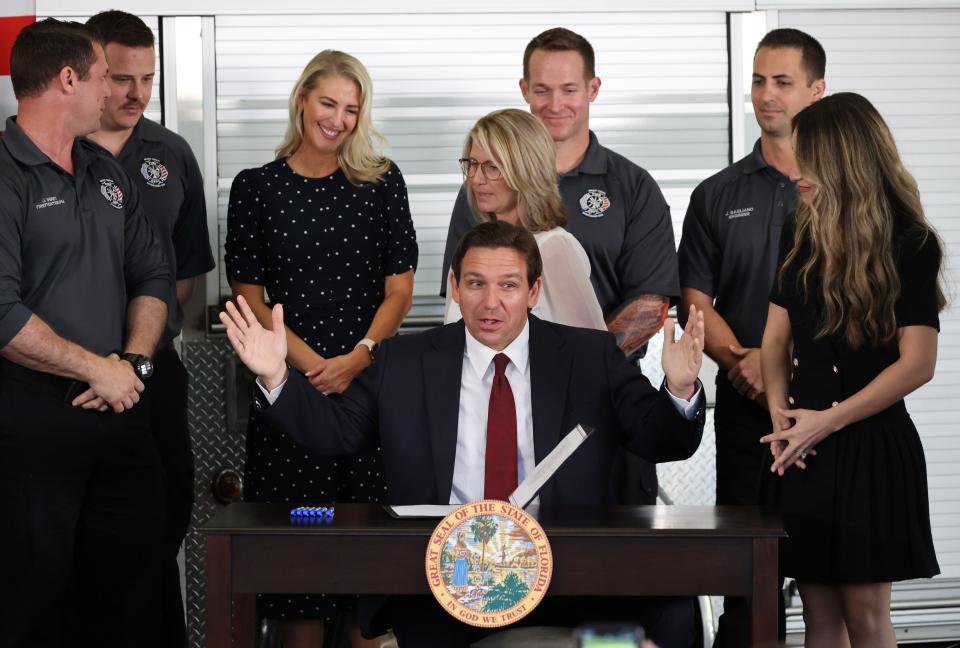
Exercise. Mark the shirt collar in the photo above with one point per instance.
(27, 152)
(138, 135)
(755, 162)
(21, 146)
(480, 356)
(594, 161)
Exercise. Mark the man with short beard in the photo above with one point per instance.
(167, 174)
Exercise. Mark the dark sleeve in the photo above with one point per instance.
(243, 251)
(13, 314)
(780, 292)
(146, 271)
(462, 221)
(191, 239)
(647, 264)
(402, 249)
(652, 427)
(919, 268)
(699, 255)
(331, 425)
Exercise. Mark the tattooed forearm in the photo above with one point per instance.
(638, 321)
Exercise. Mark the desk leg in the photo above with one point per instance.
(244, 620)
(219, 591)
(763, 599)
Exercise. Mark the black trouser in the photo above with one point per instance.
(81, 509)
(739, 423)
(420, 622)
(168, 423)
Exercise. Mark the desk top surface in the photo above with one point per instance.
(640, 521)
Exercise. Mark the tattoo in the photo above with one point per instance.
(638, 321)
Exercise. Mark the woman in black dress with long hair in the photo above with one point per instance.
(852, 329)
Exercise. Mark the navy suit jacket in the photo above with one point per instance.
(408, 403)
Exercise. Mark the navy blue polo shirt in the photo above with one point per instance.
(74, 249)
(619, 215)
(163, 167)
(729, 245)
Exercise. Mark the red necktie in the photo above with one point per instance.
(500, 467)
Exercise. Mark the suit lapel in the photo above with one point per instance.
(442, 374)
(549, 380)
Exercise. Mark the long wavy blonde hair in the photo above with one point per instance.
(521, 146)
(357, 156)
(864, 208)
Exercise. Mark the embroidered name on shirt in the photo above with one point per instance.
(738, 213)
(51, 201)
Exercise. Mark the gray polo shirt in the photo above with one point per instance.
(74, 249)
(163, 167)
(621, 219)
(730, 239)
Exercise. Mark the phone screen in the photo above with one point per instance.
(610, 636)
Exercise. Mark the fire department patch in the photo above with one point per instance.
(594, 203)
(112, 193)
(154, 172)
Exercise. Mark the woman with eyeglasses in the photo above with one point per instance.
(324, 229)
(510, 169)
(852, 329)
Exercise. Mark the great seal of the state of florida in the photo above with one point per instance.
(489, 563)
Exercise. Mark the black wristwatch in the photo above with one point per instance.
(142, 365)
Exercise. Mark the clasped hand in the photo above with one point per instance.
(795, 436)
(114, 386)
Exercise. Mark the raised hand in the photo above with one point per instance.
(263, 351)
(681, 359)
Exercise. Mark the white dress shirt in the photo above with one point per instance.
(476, 381)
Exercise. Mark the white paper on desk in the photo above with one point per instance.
(524, 493)
(551, 463)
(422, 510)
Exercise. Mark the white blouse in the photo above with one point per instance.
(567, 296)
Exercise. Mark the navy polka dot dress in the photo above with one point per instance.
(321, 247)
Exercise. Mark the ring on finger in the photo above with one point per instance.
(803, 454)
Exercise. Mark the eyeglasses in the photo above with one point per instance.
(469, 167)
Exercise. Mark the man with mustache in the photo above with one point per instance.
(168, 177)
(728, 257)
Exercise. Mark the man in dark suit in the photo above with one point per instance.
(434, 401)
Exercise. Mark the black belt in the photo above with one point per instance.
(61, 387)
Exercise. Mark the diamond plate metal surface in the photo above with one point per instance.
(216, 445)
(694, 480)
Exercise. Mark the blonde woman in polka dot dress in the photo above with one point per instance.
(324, 229)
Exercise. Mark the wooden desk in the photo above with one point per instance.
(635, 551)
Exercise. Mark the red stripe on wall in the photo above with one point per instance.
(10, 26)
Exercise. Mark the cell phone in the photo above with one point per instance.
(609, 635)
